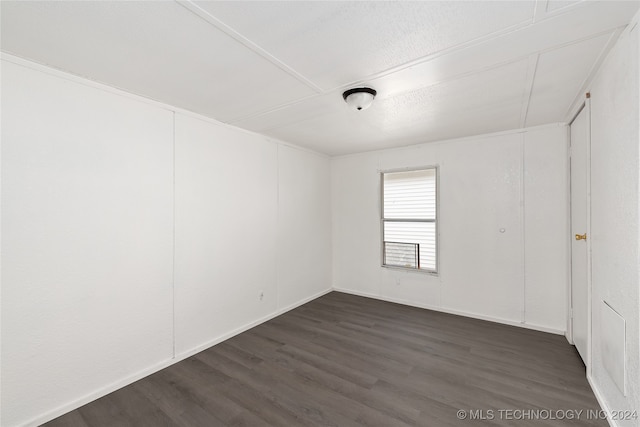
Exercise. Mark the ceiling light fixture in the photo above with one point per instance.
(359, 98)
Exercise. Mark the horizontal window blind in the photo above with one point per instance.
(410, 195)
(409, 219)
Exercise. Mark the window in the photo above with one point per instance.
(409, 227)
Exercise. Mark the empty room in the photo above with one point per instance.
(320, 213)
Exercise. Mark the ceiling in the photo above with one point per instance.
(442, 69)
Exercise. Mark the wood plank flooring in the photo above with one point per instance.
(343, 360)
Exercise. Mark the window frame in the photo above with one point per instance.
(381, 174)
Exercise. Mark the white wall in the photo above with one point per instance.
(92, 297)
(88, 237)
(87, 240)
(515, 181)
(252, 220)
(615, 138)
(226, 216)
(304, 199)
(546, 228)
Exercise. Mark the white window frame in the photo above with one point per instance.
(435, 272)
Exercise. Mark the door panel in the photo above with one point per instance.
(579, 252)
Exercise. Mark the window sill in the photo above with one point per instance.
(411, 270)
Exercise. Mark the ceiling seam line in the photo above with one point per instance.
(441, 53)
(531, 78)
(221, 26)
(456, 77)
(478, 41)
(613, 38)
(540, 10)
(449, 79)
(422, 60)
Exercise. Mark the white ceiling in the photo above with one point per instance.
(442, 69)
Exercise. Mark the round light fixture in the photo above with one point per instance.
(359, 98)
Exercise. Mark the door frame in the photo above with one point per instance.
(586, 108)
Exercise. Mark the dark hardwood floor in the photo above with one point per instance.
(343, 360)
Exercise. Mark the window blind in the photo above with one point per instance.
(409, 218)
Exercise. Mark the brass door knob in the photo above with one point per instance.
(581, 236)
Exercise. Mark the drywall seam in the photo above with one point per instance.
(41, 419)
(173, 358)
(173, 243)
(456, 312)
(278, 238)
(589, 242)
(150, 101)
(523, 235)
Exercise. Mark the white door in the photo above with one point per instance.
(579, 253)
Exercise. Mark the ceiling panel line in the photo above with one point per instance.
(339, 90)
(592, 73)
(441, 71)
(437, 82)
(579, 40)
(110, 89)
(274, 109)
(252, 22)
(540, 11)
(544, 10)
(443, 81)
(524, 25)
(528, 89)
(541, 5)
(424, 59)
(430, 57)
(563, 9)
(212, 20)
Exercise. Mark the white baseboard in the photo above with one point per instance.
(456, 312)
(61, 410)
(602, 402)
(567, 335)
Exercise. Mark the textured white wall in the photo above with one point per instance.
(87, 240)
(615, 138)
(88, 237)
(226, 216)
(516, 181)
(304, 224)
(252, 220)
(546, 228)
